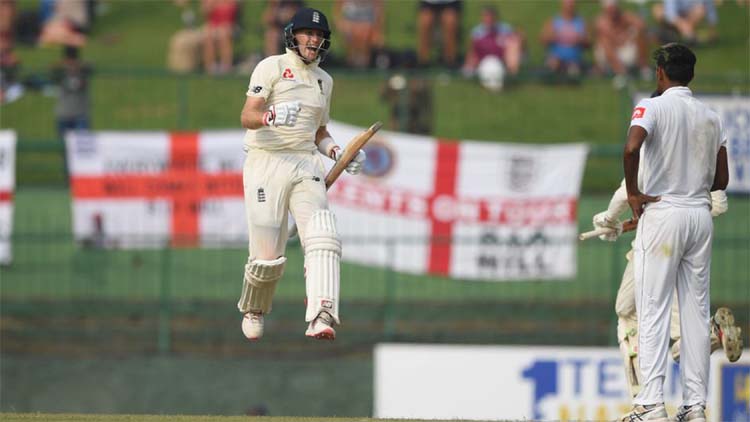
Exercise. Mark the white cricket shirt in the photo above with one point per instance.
(283, 78)
(678, 157)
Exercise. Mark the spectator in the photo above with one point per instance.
(277, 14)
(566, 37)
(186, 45)
(409, 98)
(67, 25)
(491, 41)
(620, 42)
(448, 14)
(220, 21)
(684, 16)
(10, 89)
(360, 22)
(72, 78)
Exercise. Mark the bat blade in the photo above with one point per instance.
(352, 148)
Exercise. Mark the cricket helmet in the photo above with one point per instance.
(308, 18)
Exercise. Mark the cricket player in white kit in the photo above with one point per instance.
(286, 113)
(683, 160)
(724, 331)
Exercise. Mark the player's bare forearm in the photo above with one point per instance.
(252, 113)
(721, 177)
(631, 158)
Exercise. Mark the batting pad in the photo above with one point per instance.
(259, 284)
(322, 261)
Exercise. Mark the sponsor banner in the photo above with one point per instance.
(466, 209)
(7, 187)
(734, 111)
(532, 383)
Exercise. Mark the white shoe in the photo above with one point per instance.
(729, 334)
(653, 413)
(694, 413)
(252, 325)
(321, 327)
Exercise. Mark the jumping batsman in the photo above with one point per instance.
(286, 113)
(683, 159)
(724, 332)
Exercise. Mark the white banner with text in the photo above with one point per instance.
(464, 209)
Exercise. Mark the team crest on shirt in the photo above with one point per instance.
(320, 84)
(287, 74)
(638, 112)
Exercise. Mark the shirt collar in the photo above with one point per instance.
(298, 62)
(678, 90)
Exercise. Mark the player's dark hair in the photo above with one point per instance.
(677, 61)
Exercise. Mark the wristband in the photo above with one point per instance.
(268, 117)
(326, 145)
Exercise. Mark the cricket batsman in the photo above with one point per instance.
(285, 114)
(724, 333)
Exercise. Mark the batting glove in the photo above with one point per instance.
(282, 114)
(355, 166)
(604, 221)
(719, 203)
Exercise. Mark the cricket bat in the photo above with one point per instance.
(627, 226)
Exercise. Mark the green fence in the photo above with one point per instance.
(591, 112)
(183, 300)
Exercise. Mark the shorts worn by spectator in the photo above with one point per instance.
(448, 14)
(681, 19)
(275, 16)
(360, 22)
(493, 41)
(67, 25)
(620, 42)
(566, 37)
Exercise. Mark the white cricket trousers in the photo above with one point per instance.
(673, 250)
(275, 183)
(625, 305)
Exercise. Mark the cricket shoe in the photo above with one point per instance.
(653, 413)
(724, 334)
(729, 334)
(252, 325)
(694, 413)
(321, 327)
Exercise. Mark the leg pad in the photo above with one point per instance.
(259, 284)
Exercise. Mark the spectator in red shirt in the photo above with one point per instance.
(220, 21)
